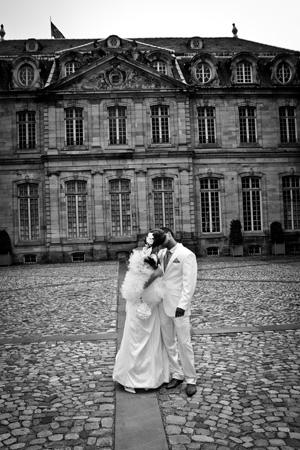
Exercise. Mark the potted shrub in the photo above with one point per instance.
(277, 238)
(5, 249)
(236, 238)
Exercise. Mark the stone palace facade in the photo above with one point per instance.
(102, 140)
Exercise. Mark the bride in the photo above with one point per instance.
(142, 361)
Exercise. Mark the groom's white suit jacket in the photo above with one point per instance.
(180, 279)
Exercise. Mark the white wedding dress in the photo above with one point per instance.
(142, 360)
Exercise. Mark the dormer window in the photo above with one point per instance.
(204, 69)
(203, 73)
(244, 72)
(71, 67)
(283, 73)
(26, 75)
(160, 66)
(244, 69)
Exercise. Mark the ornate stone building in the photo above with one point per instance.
(102, 140)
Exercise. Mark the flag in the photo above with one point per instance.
(55, 32)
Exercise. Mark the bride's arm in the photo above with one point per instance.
(156, 273)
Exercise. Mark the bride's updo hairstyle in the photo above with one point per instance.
(158, 235)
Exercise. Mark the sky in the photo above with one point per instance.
(264, 21)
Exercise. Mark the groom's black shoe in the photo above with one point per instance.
(173, 383)
(191, 390)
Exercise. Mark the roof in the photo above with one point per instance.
(179, 50)
(217, 46)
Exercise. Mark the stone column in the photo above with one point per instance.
(142, 223)
(98, 203)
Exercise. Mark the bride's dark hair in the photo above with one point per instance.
(159, 237)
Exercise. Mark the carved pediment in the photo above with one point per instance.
(118, 79)
(115, 74)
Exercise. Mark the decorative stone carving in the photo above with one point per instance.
(131, 80)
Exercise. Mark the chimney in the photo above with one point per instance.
(2, 33)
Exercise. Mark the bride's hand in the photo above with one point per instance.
(158, 272)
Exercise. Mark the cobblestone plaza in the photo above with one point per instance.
(58, 340)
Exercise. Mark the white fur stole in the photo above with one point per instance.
(138, 273)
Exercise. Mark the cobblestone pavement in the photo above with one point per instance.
(58, 343)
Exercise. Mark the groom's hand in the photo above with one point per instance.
(179, 312)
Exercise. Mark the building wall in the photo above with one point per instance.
(51, 165)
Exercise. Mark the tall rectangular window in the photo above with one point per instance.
(160, 124)
(288, 127)
(207, 125)
(210, 205)
(244, 72)
(291, 202)
(76, 194)
(74, 130)
(28, 205)
(163, 197)
(117, 125)
(26, 129)
(252, 204)
(247, 119)
(120, 207)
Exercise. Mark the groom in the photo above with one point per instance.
(179, 265)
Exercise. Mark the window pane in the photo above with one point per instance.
(251, 204)
(291, 202)
(117, 125)
(283, 72)
(287, 118)
(163, 198)
(74, 126)
(26, 75)
(247, 118)
(203, 73)
(160, 124)
(206, 125)
(120, 207)
(77, 208)
(28, 202)
(210, 205)
(160, 66)
(244, 72)
(26, 129)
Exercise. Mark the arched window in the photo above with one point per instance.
(71, 67)
(210, 205)
(291, 202)
(163, 200)
(244, 72)
(203, 73)
(283, 73)
(28, 206)
(26, 75)
(252, 204)
(120, 207)
(160, 66)
(76, 194)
